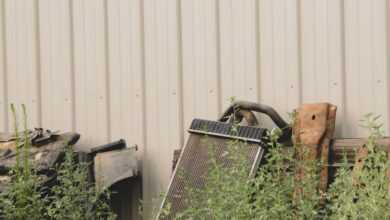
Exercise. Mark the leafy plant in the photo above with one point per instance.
(231, 194)
(22, 199)
(73, 198)
(276, 184)
(228, 191)
(363, 193)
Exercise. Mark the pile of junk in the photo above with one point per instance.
(312, 133)
(112, 166)
(116, 162)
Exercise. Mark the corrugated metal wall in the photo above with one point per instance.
(142, 69)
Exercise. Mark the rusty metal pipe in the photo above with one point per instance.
(261, 108)
(252, 106)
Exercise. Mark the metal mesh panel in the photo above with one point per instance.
(193, 163)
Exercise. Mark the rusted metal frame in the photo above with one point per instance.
(348, 147)
(362, 153)
(236, 117)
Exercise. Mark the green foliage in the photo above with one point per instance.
(73, 198)
(22, 200)
(276, 184)
(363, 194)
(230, 193)
(212, 202)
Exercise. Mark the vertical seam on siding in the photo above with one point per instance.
(372, 56)
(299, 51)
(38, 62)
(258, 48)
(5, 69)
(343, 62)
(180, 71)
(107, 70)
(387, 26)
(218, 50)
(72, 66)
(143, 81)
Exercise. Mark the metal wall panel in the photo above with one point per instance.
(125, 68)
(322, 53)
(200, 54)
(56, 64)
(90, 70)
(22, 56)
(142, 69)
(3, 70)
(163, 107)
(279, 56)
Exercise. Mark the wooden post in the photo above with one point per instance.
(313, 130)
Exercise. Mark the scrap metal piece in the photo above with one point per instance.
(313, 130)
(261, 108)
(42, 137)
(194, 158)
(349, 147)
(43, 159)
(113, 166)
(117, 145)
(176, 156)
(361, 152)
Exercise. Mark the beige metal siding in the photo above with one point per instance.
(142, 69)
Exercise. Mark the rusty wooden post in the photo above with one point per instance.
(313, 130)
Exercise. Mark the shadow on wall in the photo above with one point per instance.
(125, 198)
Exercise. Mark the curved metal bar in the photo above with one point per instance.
(251, 106)
(261, 108)
(242, 114)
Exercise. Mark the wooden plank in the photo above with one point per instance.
(126, 71)
(90, 67)
(22, 57)
(163, 122)
(238, 50)
(200, 61)
(56, 61)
